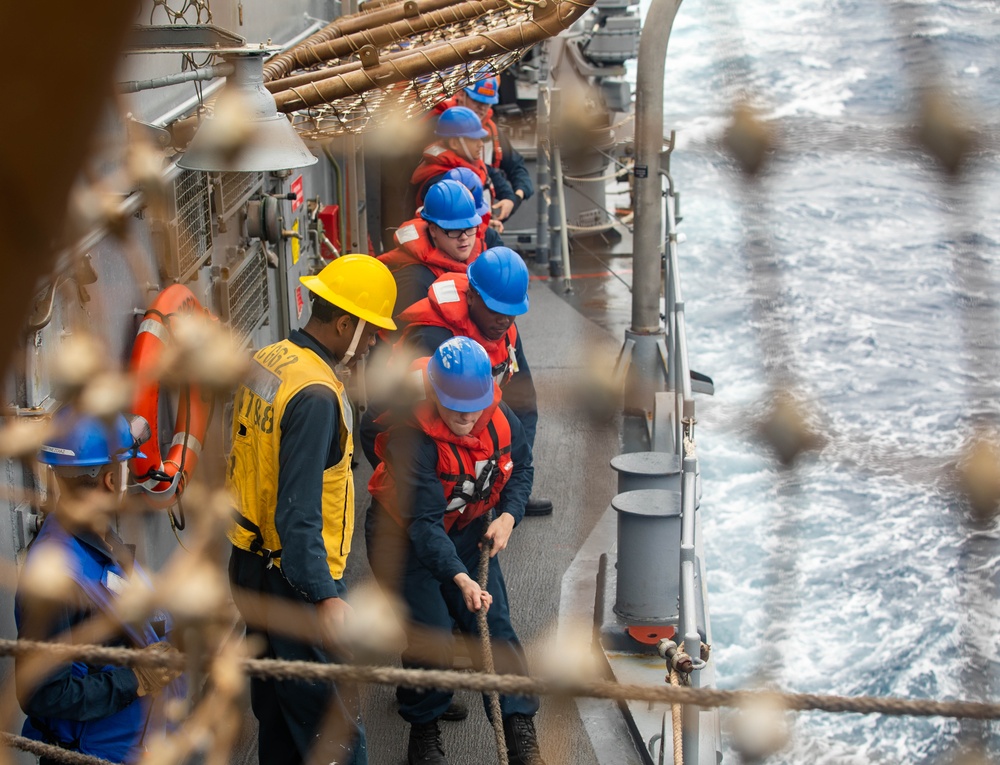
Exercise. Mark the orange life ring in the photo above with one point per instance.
(164, 478)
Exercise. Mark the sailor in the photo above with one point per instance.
(487, 234)
(447, 464)
(290, 476)
(483, 305)
(498, 153)
(460, 144)
(94, 708)
(441, 239)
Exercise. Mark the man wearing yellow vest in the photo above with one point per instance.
(290, 476)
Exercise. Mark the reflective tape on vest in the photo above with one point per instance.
(445, 291)
(155, 328)
(407, 233)
(192, 442)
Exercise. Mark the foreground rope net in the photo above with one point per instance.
(515, 685)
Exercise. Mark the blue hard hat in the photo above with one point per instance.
(459, 122)
(450, 205)
(84, 441)
(461, 375)
(472, 182)
(501, 279)
(485, 91)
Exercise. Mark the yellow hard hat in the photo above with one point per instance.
(359, 284)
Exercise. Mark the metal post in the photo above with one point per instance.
(563, 223)
(648, 374)
(542, 157)
(649, 144)
(688, 615)
(555, 240)
(349, 210)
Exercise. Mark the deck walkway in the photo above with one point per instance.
(565, 349)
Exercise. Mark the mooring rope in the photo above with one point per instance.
(51, 751)
(484, 639)
(677, 722)
(520, 685)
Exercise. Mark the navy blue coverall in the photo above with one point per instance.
(420, 562)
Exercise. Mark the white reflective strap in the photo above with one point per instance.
(445, 292)
(435, 149)
(192, 443)
(407, 233)
(156, 328)
(348, 412)
(358, 332)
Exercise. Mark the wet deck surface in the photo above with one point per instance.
(570, 339)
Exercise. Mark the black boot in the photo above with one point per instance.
(456, 711)
(522, 741)
(538, 506)
(425, 745)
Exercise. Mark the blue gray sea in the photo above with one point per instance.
(860, 566)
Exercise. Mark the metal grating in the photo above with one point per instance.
(243, 293)
(233, 189)
(186, 236)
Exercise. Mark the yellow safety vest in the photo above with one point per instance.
(278, 372)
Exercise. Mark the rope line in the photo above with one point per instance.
(51, 751)
(677, 722)
(483, 577)
(519, 685)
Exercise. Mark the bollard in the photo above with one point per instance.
(647, 470)
(648, 567)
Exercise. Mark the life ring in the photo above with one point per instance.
(165, 479)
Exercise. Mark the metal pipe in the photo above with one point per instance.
(649, 143)
(385, 35)
(683, 395)
(688, 614)
(300, 54)
(206, 73)
(563, 223)
(555, 18)
(542, 157)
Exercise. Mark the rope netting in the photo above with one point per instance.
(405, 100)
(398, 60)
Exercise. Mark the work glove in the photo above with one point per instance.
(152, 679)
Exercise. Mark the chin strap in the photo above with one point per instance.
(358, 332)
(469, 153)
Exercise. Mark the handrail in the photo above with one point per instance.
(690, 731)
(679, 381)
(679, 370)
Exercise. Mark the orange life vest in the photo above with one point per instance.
(439, 159)
(417, 249)
(447, 305)
(472, 469)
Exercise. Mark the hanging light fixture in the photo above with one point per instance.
(245, 133)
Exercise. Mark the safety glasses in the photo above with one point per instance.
(458, 233)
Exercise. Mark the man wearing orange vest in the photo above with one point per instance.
(457, 457)
(291, 481)
(460, 144)
(488, 235)
(441, 239)
(482, 305)
(498, 154)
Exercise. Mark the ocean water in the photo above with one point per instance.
(861, 566)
